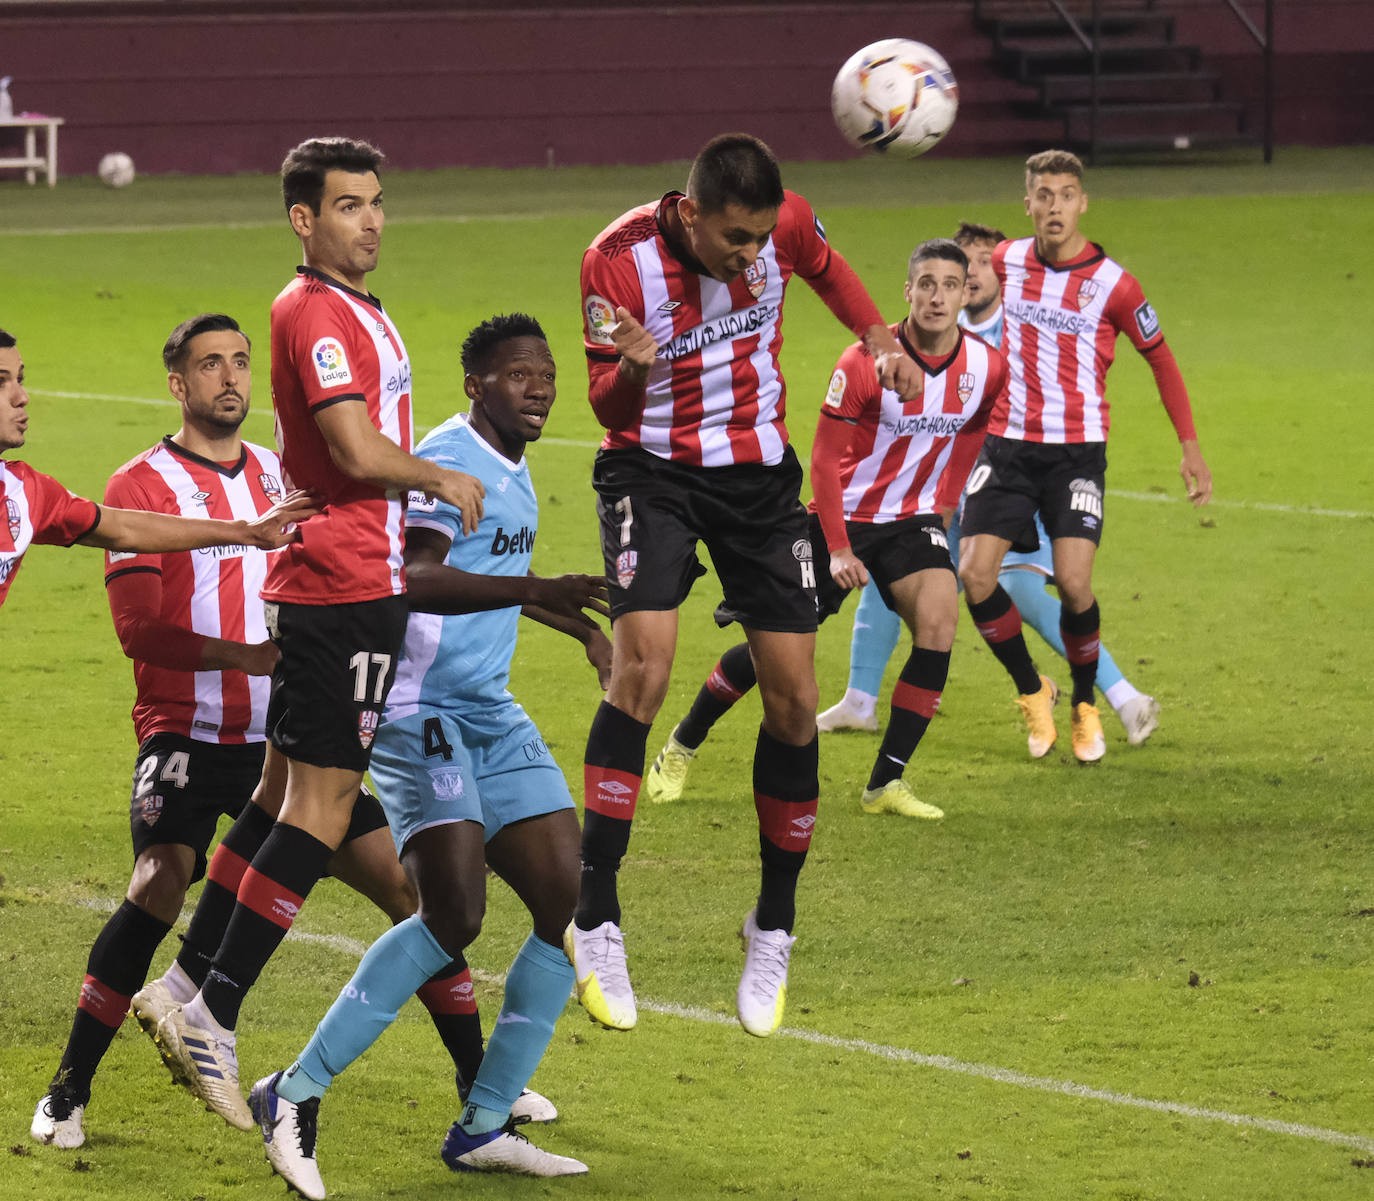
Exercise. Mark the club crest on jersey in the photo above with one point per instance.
(756, 277)
(12, 516)
(331, 364)
(367, 727)
(271, 487)
(448, 783)
(626, 564)
(151, 810)
(966, 382)
(600, 320)
(834, 394)
(1087, 292)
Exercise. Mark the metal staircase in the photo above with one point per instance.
(1115, 75)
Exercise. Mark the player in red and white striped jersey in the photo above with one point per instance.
(39, 510)
(1065, 302)
(192, 622)
(886, 474)
(682, 300)
(336, 607)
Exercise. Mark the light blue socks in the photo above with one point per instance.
(394, 967)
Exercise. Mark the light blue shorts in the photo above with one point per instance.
(432, 768)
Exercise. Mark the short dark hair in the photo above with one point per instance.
(970, 232)
(304, 168)
(178, 345)
(1054, 162)
(735, 168)
(7, 339)
(485, 338)
(937, 248)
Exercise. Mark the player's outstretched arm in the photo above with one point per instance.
(158, 533)
(362, 452)
(1197, 476)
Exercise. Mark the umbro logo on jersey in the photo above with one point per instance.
(669, 306)
(200, 497)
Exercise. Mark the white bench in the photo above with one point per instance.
(31, 162)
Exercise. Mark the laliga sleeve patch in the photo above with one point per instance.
(600, 320)
(1146, 321)
(331, 364)
(834, 394)
(820, 230)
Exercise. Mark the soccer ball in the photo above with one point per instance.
(116, 169)
(895, 97)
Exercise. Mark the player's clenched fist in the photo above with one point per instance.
(636, 345)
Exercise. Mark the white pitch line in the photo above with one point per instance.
(577, 444)
(944, 1063)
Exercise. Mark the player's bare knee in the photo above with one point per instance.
(791, 716)
(159, 883)
(455, 920)
(978, 583)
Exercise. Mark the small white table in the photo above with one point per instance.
(31, 161)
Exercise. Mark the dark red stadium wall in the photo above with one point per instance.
(226, 87)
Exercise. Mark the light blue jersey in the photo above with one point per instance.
(453, 744)
(462, 661)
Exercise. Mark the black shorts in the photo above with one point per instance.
(182, 787)
(654, 512)
(890, 551)
(337, 666)
(1012, 480)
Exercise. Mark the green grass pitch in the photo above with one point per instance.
(1141, 981)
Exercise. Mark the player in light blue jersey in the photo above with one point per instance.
(464, 776)
(877, 628)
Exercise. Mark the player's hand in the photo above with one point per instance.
(278, 525)
(258, 658)
(846, 569)
(1197, 476)
(464, 492)
(636, 345)
(599, 656)
(567, 596)
(900, 373)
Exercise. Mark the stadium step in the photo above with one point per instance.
(1144, 86)
(1153, 93)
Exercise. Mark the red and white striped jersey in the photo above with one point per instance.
(715, 395)
(332, 344)
(912, 457)
(38, 511)
(213, 591)
(1062, 321)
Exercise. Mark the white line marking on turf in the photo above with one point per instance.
(943, 1063)
(577, 444)
(1043, 1084)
